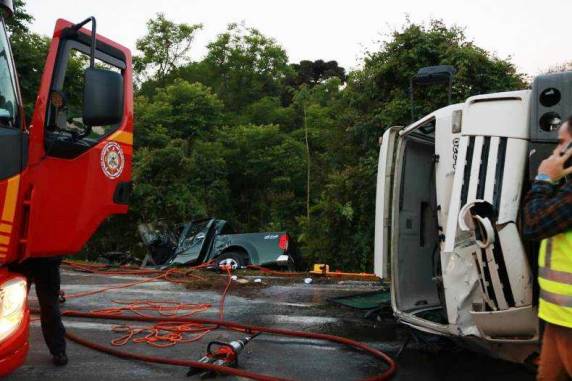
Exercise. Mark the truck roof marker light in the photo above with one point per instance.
(457, 122)
(283, 242)
(13, 296)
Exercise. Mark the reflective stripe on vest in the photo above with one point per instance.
(561, 300)
(548, 256)
(555, 278)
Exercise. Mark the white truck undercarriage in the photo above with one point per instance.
(449, 198)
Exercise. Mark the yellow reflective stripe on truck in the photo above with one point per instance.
(11, 199)
(8, 214)
(5, 228)
(122, 137)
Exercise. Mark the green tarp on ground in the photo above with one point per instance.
(364, 300)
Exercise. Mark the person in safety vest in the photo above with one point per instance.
(548, 218)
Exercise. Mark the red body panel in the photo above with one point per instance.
(54, 206)
(13, 349)
(69, 198)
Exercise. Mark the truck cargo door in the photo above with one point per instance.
(80, 161)
(385, 175)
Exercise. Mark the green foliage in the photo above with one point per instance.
(265, 175)
(315, 72)
(247, 159)
(244, 65)
(380, 90)
(161, 179)
(181, 110)
(20, 21)
(29, 50)
(165, 46)
(341, 231)
(375, 98)
(234, 135)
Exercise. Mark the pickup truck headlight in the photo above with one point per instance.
(13, 295)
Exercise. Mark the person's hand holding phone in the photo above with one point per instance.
(557, 165)
(567, 163)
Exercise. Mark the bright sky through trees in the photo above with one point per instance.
(534, 33)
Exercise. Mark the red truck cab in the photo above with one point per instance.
(65, 172)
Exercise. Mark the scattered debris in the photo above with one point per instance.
(324, 270)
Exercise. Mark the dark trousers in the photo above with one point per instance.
(45, 274)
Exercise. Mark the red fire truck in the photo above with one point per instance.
(66, 170)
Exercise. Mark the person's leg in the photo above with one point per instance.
(550, 367)
(47, 281)
(564, 344)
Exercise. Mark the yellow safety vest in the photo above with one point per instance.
(555, 278)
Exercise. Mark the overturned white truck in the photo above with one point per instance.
(450, 189)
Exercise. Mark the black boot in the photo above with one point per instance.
(60, 359)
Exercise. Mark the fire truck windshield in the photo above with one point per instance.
(8, 95)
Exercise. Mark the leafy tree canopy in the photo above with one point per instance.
(244, 65)
(20, 20)
(314, 72)
(180, 110)
(244, 135)
(165, 47)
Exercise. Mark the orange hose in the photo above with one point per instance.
(169, 361)
(222, 299)
(386, 375)
(274, 272)
(171, 328)
(162, 275)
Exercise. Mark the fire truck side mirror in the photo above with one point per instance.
(102, 97)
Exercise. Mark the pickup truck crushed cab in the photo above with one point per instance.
(200, 241)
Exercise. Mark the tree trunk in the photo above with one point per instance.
(307, 166)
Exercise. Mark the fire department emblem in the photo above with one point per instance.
(112, 160)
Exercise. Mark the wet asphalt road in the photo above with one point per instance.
(294, 305)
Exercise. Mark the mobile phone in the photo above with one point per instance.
(568, 162)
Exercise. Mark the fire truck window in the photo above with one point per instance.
(66, 134)
(8, 99)
(73, 91)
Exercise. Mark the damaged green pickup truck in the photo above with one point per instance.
(201, 241)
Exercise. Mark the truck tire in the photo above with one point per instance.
(231, 258)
